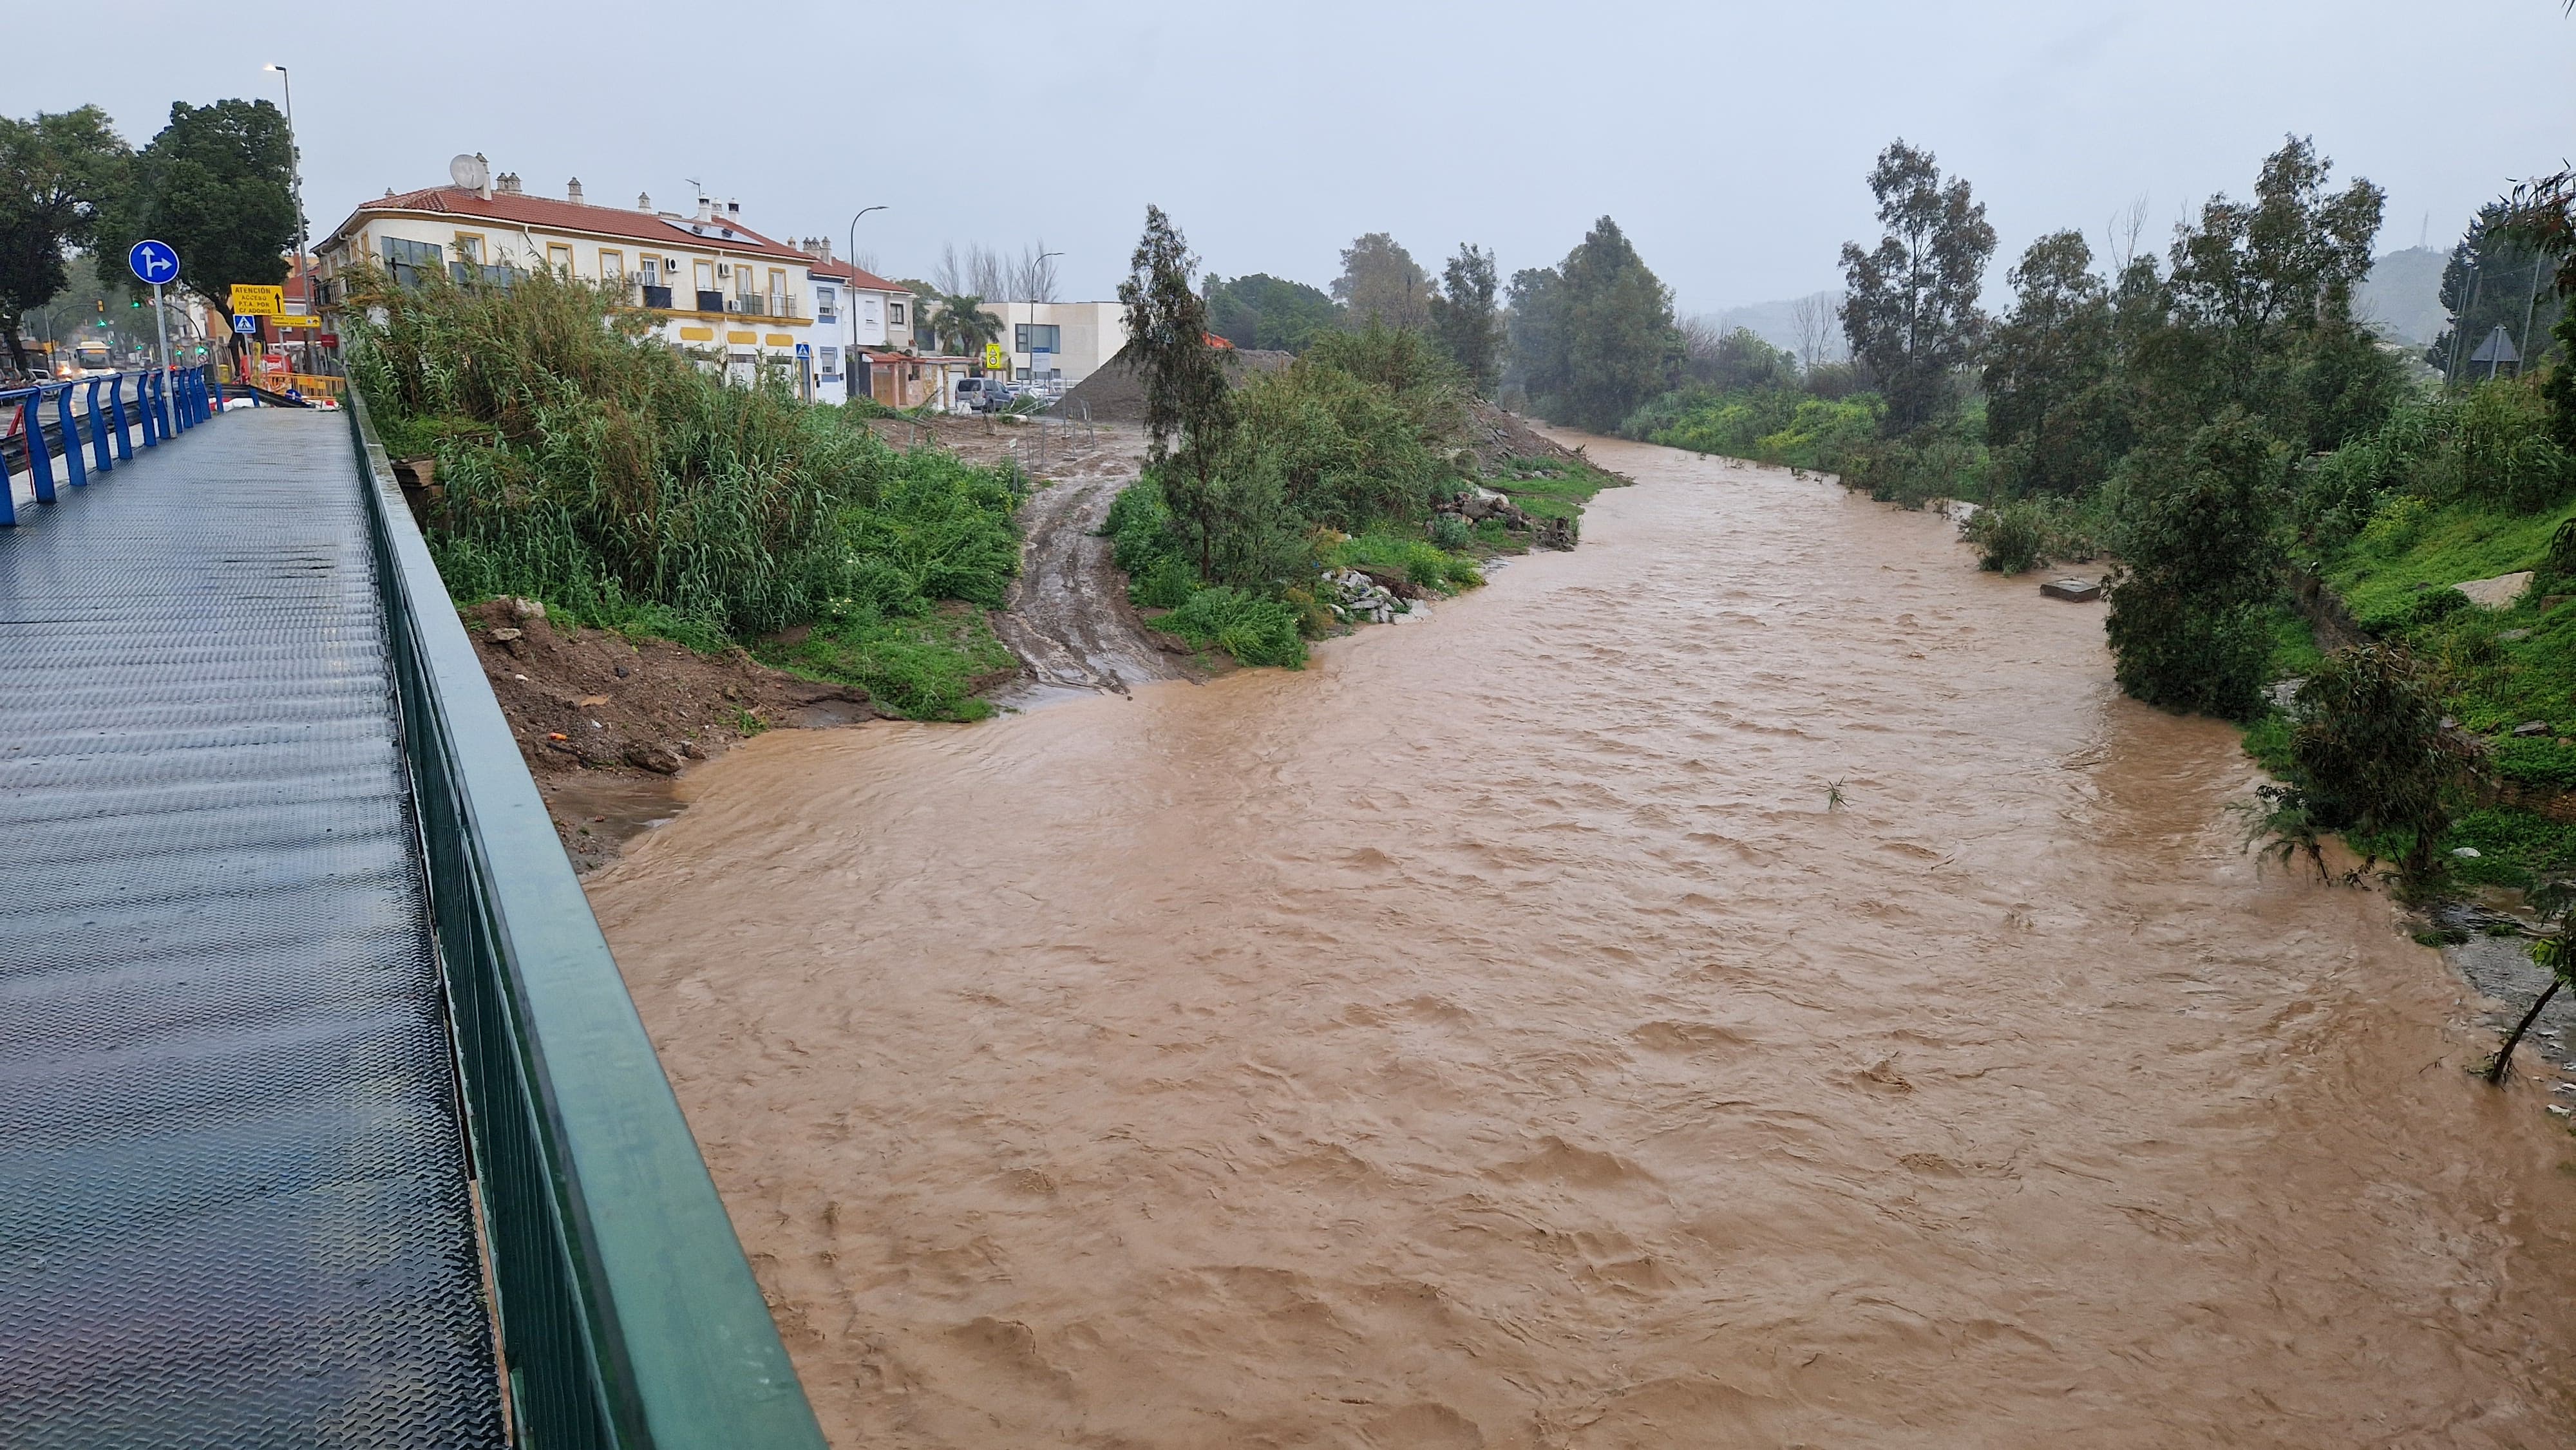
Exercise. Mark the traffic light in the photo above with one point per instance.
(102, 312)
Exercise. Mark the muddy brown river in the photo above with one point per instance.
(1493, 1036)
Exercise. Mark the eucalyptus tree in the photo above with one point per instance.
(1910, 303)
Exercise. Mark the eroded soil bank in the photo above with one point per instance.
(1490, 1036)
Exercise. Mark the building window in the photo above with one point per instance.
(408, 260)
(559, 259)
(831, 361)
(868, 311)
(1036, 337)
(894, 314)
(469, 248)
(612, 265)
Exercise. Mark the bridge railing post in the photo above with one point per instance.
(40, 449)
(116, 405)
(71, 438)
(100, 457)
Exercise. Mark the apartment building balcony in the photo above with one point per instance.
(788, 308)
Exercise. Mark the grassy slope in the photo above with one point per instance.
(2500, 682)
(1553, 487)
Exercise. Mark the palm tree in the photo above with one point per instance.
(964, 326)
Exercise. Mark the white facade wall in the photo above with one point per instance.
(1088, 334)
(740, 343)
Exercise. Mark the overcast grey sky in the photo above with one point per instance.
(1729, 139)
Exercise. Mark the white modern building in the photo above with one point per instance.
(723, 293)
(1060, 341)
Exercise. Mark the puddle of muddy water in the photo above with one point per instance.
(1495, 1035)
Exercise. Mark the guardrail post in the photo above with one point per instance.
(40, 453)
(71, 438)
(116, 406)
(151, 414)
(187, 404)
(99, 456)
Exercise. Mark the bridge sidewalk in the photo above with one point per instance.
(235, 1188)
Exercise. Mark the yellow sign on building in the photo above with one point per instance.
(258, 301)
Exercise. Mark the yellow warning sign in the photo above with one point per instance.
(993, 356)
(258, 301)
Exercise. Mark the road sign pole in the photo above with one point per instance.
(161, 321)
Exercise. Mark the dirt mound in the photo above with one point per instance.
(1496, 435)
(1116, 393)
(604, 721)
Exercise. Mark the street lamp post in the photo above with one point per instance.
(849, 374)
(1034, 379)
(295, 157)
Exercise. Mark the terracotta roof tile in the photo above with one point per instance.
(571, 216)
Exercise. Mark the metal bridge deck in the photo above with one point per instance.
(233, 1199)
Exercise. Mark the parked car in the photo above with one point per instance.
(980, 395)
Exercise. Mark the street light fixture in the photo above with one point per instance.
(1034, 379)
(295, 157)
(853, 257)
(849, 374)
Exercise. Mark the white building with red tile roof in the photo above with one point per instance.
(856, 313)
(722, 292)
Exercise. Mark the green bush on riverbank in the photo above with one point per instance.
(587, 465)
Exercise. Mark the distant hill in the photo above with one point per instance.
(1777, 322)
(2402, 296)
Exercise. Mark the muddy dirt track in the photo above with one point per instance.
(1067, 616)
(1492, 1036)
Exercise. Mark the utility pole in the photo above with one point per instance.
(1034, 268)
(849, 308)
(295, 160)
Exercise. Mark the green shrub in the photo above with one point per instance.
(1418, 562)
(586, 464)
(1449, 531)
(1255, 629)
(2370, 755)
(2189, 623)
(921, 668)
(2538, 762)
(1768, 426)
(2009, 538)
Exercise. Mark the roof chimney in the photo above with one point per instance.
(483, 164)
(509, 183)
(706, 209)
(733, 208)
(643, 201)
(572, 191)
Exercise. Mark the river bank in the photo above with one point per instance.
(1494, 1035)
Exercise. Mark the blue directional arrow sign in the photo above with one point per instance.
(154, 262)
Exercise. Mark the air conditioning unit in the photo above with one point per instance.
(723, 271)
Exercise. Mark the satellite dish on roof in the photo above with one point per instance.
(469, 172)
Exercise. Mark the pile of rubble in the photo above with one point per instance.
(1357, 597)
(1479, 503)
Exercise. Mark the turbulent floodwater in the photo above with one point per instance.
(1489, 1036)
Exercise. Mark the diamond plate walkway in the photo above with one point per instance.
(233, 1198)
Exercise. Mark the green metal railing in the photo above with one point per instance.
(628, 1315)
